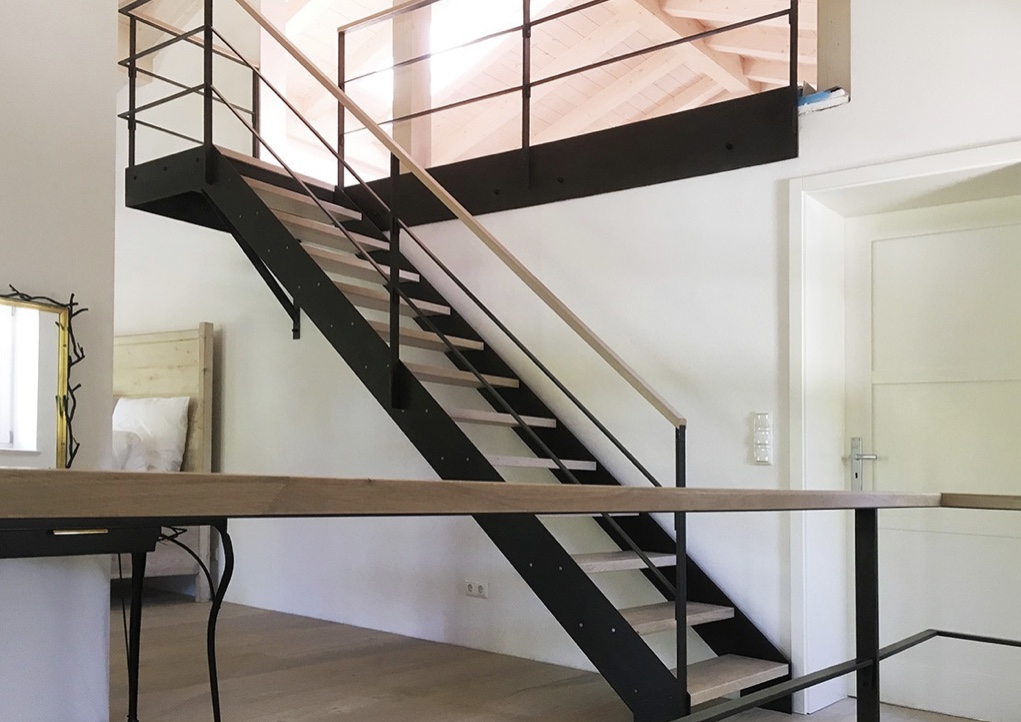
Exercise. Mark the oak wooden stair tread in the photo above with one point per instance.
(454, 377)
(653, 618)
(426, 339)
(345, 264)
(299, 204)
(247, 159)
(533, 462)
(326, 234)
(729, 674)
(379, 300)
(494, 418)
(621, 560)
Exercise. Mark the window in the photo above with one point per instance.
(19, 377)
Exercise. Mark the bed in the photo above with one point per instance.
(164, 371)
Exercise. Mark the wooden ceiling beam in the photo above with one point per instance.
(582, 118)
(700, 57)
(726, 12)
(763, 44)
(776, 72)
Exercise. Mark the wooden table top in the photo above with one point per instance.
(47, 494)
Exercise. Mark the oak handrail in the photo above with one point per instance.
(480, 231)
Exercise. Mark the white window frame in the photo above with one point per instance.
(19, 377)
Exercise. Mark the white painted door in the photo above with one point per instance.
(934, 386)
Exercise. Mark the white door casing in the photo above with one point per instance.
(820, 210)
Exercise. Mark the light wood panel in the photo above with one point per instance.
(653, 618)
(981, 501)
(48, 494)
(598, 562)
(729, 674)
(378, 300)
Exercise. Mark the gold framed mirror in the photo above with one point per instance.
(36, 403)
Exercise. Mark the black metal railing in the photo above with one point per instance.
(392, 228)
(527, 82)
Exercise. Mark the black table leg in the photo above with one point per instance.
(866, 582)
(135, 631)
(214, 613)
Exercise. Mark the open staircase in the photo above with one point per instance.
(314, 265)
(340, 264)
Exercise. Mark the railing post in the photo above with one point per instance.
(793, 18)
(341, 75)
(526, 89)
(207, 81)
(395, 279)
(681, 581)
(132, 89)
(866, 611)
(256, 114)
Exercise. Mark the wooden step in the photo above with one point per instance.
(728, 674)
(654, 618)
(619, 561)
(454, 377)
(325, 234)
(532, 462)
(379, 300)
(425, 339)
(344, 264)
(493, 418)
(299, 204)
(246, 159)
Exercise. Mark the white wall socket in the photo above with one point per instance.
(476, 588)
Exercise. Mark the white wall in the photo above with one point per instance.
(688, 281)
(56, 235)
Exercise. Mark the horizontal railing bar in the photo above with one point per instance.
(756, 699)
(980, 638)
(442, 108)
(382, 15)
(169, 81)
(132, 6)
(177, 32)
(565, 74)
(662, 46)
(427, 56)
(481, 232)
(173, 96)
(165, 44)
(568, 11)
(160, 128)
(906, 643)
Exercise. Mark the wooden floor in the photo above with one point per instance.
(282, 668)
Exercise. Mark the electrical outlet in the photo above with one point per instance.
(475, 588)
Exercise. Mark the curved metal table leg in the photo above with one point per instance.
(214, 612)
(135, 635)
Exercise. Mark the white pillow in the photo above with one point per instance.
(129, 452)
(161, 424)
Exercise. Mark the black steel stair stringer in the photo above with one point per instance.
(636, 674)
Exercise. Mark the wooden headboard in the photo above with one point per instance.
(175, 363)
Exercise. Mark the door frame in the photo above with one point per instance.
(819, 207)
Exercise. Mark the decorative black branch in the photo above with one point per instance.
(68, 404)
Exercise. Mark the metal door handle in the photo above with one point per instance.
(856, 458)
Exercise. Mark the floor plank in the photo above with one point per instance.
(284, 668)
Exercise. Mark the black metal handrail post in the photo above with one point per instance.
(341, 114)
(681, 576)
(256, 113)
(207, 81)
(132, 86)
(526, 89)
(793, 19)
(395, 279)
